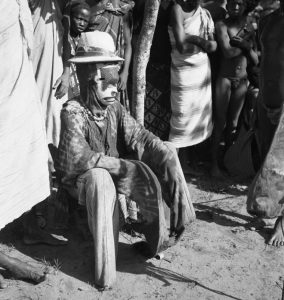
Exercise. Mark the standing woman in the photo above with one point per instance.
(47, 64)
(24, 180)
(191, 33)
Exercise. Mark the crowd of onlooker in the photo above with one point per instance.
(219, 108)
(211, 110)
(202, 77)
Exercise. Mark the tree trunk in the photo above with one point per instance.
(141, 58)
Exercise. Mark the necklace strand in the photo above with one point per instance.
(93, 116)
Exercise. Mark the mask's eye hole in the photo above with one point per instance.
(102, 78)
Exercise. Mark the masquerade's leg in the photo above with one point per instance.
(100, 197)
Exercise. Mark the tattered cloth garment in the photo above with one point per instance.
(155, 180)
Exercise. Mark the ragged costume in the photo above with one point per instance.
(152, 181)
(93, 168)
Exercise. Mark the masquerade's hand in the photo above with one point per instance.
(122, 83)
(61, 85)
(241, 43)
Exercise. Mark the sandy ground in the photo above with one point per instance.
(217, 258)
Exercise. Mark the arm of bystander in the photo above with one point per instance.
(224, 41)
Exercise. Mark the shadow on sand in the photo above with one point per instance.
(133, 263)
(76, 260)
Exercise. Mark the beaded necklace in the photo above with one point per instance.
(98, 120)
(96, 117)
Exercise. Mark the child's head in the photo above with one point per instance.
(238, 8)
(79, 17)
(188, 5)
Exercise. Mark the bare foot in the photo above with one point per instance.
(104, 288)
(277, 238)
(43, 237)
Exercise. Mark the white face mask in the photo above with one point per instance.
(99, 80)
(106, 79)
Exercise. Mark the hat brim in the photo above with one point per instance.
(94, 59)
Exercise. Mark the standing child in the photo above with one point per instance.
(235, 36)
(79, 20)
(47, 64)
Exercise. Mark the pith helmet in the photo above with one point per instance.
(94, 47)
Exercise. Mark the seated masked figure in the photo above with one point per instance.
(96, 133)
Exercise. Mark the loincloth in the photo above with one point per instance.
(237, 81)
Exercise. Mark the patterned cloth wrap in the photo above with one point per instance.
(157, 103)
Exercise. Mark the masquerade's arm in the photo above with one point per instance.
(162, 158)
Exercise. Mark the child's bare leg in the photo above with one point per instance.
(223, 93)
(236, 104)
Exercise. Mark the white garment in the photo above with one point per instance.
(47, 62)
(191, 95)
(24, 179)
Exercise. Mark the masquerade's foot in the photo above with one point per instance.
(104, 288)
